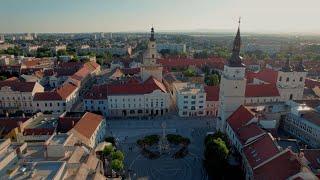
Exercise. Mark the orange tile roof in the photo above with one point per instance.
(260, 150)
(282, 166)
(261, 90)
(60, 93)
(240, 118)
(88, 124)
(212, 93)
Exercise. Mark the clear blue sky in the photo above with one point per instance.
(139, 15)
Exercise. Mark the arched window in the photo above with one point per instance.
(152, 55)
(301, 78)
(291, 96)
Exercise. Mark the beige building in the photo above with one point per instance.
(16, 95)
(57, 101)
(90, 130)
(130, 99)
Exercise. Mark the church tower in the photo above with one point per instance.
(150, 67)
(291, 81)
(232, 85)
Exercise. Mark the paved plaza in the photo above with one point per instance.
(188, 168)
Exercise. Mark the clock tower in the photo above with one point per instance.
(150, 67)
(232, 85)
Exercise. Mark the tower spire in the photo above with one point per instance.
(287, 67)
(236, 59)
(152, 34)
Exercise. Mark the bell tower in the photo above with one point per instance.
(150, 67)
(233, 84)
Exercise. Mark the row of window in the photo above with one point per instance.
(288, 79)
(13, 98)
(50, 104)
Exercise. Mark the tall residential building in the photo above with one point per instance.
(190, 99)
(233, 84)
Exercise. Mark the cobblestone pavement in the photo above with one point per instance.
(165, 167)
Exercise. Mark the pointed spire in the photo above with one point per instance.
(152, 34)
(237, 40)
(287, 67)
(236, 59)
(300, 67)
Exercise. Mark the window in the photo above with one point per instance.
(291, 96)
(301, 78)
(64, 104)
(288, 79)
(152, 55)
(193, 108)
(193, 97)
(280, 78)
(185, 97)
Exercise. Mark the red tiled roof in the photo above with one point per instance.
(249, 131)
(67, 123)
(102, 91)
(60, 93)
(17, 85)
(282, 166)
(240, 118)
(261, 90)
(91, 66)
(212, 93)
(313, 156)
(260, 150)
(7, 124)
(184, 62)
(88, 124)
(267, 75)
(311, 83)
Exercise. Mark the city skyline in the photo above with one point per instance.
(179, 15)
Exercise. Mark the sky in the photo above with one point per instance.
(301, 16)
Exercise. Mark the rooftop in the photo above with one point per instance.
(260, 150)
(88, 124)
(59, 139)
(240, 118)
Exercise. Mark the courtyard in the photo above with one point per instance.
(128, 131)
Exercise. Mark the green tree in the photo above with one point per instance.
(216, 155)
(117, 165)
(117, 155)
(212, 80)
(189, 72)
(107, 150)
